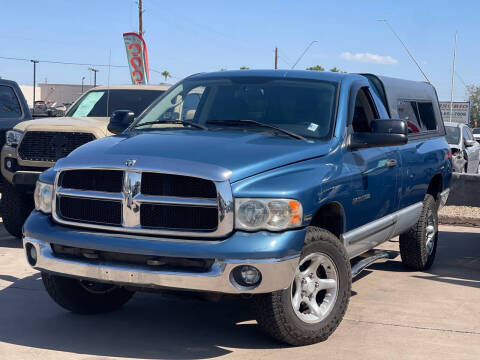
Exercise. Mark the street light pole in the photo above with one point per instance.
(94, 75)
(35, 62)
(83, 78)
(453, 74)
(304, 52)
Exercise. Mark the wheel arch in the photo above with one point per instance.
(331, 217)
(435, 187)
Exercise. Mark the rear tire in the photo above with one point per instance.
(418, 245)
(16, 206)
(290, 315)
(85, 297)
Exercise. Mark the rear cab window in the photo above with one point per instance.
(419, 115)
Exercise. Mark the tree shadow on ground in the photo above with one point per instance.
(151, 326)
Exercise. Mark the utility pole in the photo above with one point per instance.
(276, 57)
(94, 75)
(140, 20)
(35, 62)
(83, 78)
(453, 74)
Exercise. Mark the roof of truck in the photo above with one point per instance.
(132, 87)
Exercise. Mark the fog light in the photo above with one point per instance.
(245, 277)
(31, 254)
(9, 164)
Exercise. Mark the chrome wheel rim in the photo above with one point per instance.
(430, 233)
(314, 288)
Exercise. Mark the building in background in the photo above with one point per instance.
(54, 93)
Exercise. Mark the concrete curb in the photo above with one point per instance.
(458, 220)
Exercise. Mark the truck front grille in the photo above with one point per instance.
(92, 211)
(94, 180)
(150, 203)
(51, 145)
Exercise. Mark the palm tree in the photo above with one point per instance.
(166, 74)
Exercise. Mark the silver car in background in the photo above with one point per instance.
(476, 133)
(465, 150)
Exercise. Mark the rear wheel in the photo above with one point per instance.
(16, 206)
(83, 296)
(310, 310)
(418, 245)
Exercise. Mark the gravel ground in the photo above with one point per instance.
(466, 211)
(460, 215)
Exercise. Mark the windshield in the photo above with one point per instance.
(476, 130)
(306, 108)
(94, 103)
(452, 134)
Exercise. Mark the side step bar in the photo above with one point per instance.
(370, 257)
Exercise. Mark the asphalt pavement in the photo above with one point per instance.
(393, 314)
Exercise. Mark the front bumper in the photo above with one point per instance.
(276, 256)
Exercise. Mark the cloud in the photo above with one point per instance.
(368, 58)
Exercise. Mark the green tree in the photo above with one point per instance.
(316, 68)
(473, 93)
(243, 67)
(223, 69)
(166, 75)
(335, 69)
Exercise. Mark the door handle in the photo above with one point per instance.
(391, 163)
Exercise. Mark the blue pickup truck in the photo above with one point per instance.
(273, 183)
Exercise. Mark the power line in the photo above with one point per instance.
(74, 63)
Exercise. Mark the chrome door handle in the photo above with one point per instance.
(391, 163)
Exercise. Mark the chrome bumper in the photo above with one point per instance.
(277, 274)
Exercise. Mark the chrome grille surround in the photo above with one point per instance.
(131, 198)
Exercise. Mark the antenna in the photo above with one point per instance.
(405, 47)
(108, 79)
(453, 74)
(304, 52)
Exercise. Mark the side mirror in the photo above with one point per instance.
(120, 120)
(469, 143)
(386, 132)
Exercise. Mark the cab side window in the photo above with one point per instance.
(9, 105)
(365, 111)
(466, 134)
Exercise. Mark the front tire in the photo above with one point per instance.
(418, 245)
(16, 206)
(313, 306)
(85, 297)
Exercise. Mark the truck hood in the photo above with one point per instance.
(218, 155)
(95, 125)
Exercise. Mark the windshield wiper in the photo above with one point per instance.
(253, 122)
(192, 124)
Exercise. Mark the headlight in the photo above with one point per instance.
(268, 214)
(43, 197)
(13, 137)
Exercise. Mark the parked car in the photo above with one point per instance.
(13, 109)
(476, 134)
(34, 146)
(465, 150)
(279, 180)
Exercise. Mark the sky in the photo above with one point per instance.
(186, 37)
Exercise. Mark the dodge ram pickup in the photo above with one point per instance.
(273, 184)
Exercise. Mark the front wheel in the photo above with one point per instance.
(313, 306)
(16, 206)
(85, 297)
